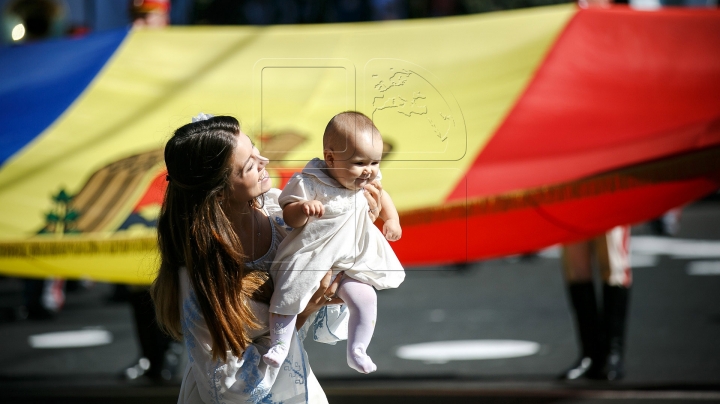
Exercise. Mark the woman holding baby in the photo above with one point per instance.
(218, 232)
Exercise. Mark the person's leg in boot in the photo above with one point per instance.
(153, 342)
(614, 259)
(362, 302)
(578, 274)
(43, 298)
(615, 304)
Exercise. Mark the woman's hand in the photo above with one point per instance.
(372, 193)
(323, 296)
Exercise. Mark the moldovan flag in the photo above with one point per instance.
(505, 132)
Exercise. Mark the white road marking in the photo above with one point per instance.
(71, 339)
(645, 251)
(703, 268)
(643, 260)
(676, 248)
(445, 351)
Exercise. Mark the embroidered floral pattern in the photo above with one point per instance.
(216, 381)
(257, 392)
(280, 222)
(279, 329)
(295, 369)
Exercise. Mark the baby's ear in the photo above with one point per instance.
(329, 157)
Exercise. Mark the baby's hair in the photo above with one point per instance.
(346, 124)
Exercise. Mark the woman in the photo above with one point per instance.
(218, 232)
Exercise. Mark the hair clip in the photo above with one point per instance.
(202, 117)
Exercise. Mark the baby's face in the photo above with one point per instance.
(359, 162)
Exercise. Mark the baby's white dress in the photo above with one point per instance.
(344, 239)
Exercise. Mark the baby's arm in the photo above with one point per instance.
(389, 214)
(296, 214)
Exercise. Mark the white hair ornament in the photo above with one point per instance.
(201, 117)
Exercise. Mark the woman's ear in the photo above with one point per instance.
(329, 157)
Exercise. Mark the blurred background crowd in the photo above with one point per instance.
(49, 18)
(52, 18)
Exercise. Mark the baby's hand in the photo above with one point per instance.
(313, 208)
(392, 230)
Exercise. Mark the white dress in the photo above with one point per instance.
(344, 239)
(248, 379)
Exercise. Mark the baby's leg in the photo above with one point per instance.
(362, 302)
(281, 331)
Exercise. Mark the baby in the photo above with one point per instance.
(326, 206)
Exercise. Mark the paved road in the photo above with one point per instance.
(673, 353)
(674, 323)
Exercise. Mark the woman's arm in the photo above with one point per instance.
(318, 300)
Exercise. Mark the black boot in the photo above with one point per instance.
(615, 304)
(582, 298)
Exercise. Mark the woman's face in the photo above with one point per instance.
(248, 178)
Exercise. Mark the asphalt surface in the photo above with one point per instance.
(672, 346)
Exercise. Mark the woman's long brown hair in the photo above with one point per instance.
(194, 231)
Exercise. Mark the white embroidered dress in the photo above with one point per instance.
(248, 379)
(344, 239)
